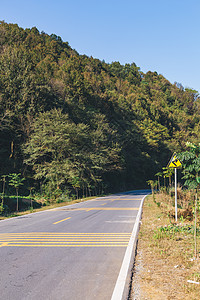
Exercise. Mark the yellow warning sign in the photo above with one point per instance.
(174, 162)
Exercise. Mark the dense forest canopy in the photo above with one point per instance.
(72, 122)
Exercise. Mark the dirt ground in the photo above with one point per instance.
(164, 261)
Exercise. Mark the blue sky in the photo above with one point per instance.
(160, 36)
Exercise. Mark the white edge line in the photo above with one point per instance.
(121, 280)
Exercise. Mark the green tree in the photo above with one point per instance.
(191, 165)
(3, 192)
(191, 171)
(60, 150)
(153, 184)
(16, 181)
(167, 173)
(159, 174)
(75, 182)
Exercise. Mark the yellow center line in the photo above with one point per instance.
(4, 244)
(71, 245)
(118, 199)
(65, 241)
(62, 220)
(47, 234)
(98, 208)
(53, 239)
(102, 208)
(126, 199)
(87, 241)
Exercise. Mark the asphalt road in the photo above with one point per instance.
(74, 252)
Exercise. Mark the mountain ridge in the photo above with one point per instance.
(130, 120)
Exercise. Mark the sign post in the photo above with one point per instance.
(175, 179)
(175, 163)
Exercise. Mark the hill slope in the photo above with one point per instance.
(74, 122)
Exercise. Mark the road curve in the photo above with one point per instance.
(73, 252)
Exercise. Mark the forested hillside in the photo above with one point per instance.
(72, 122)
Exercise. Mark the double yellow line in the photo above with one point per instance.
(51, 239)
(95, 208)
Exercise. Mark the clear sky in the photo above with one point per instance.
(158, 35)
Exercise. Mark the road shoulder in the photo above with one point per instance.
(163, 263)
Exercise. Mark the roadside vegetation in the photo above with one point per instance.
(27, 201)
(77, 126)
(167, 264)
(38, 204)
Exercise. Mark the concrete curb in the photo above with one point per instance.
(121, 290)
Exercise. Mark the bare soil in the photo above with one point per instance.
(165, 260)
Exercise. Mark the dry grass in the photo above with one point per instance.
(164, 261)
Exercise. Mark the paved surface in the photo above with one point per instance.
(74, 252)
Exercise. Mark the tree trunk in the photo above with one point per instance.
(17, 200)
(89, 192)
(4, 182)
(86, 192)
(152, 190)
(76, 193)
(195, 227)
(158, 183)
(83, 191)
(95, 191)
